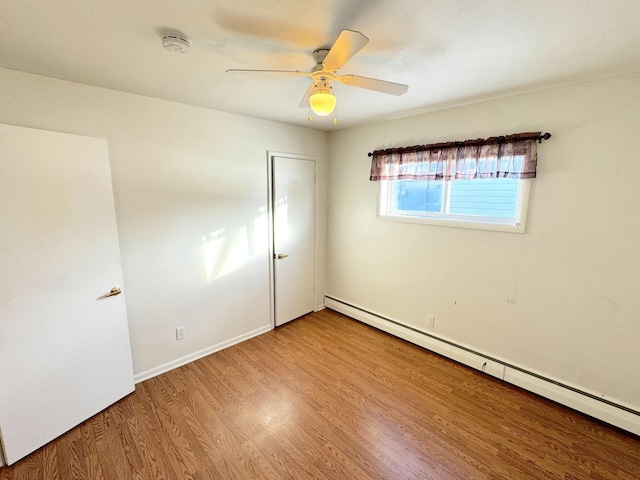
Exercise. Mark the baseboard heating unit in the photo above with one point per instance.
(614, 413)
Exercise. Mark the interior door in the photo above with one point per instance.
(293, 236)
(64, 344)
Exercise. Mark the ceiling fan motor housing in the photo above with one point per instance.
(319, 55)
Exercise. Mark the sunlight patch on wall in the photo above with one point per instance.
(212, 246)
(260, 237)
(227, 249)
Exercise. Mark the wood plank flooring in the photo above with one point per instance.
(328, 397)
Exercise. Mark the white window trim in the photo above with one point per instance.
(476, 223)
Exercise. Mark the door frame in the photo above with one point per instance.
(270, 219)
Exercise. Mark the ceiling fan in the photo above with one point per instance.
(319, 95)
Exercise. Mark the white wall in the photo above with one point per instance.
(562, 299)
(180, 173)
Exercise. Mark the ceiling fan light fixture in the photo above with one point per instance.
(322, 102)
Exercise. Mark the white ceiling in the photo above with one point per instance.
(447, 51)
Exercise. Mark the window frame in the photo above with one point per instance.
(457, 220)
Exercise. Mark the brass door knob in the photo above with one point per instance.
(282, 255)
(114, 291)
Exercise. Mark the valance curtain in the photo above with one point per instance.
(512, 156)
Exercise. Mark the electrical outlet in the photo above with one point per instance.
(431, 321)
(180, 333)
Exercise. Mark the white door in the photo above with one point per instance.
(64, 345)
(293, 237)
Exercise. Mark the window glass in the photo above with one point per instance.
(485, 198)
(417, 196)
(495, 204)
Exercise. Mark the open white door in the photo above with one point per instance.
(293, 236)
(64, 344)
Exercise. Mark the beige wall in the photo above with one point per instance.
(179, 174)
(562, 299)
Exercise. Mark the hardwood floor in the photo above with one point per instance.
(328, 397)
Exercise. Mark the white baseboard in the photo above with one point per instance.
(614, 413)
(318, 308)
(153, 372)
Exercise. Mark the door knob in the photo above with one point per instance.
(282, 255)
(114, 291)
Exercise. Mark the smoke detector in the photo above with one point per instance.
(176, 43)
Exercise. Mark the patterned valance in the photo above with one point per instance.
(511, 156)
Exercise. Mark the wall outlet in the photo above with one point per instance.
(180, 333)
(431, 321)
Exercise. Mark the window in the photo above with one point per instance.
(495, 204)
(482, 183)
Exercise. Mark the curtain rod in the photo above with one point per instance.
(488, 141)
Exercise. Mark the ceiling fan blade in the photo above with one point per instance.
(296, 73)
(349, 43)
(373, 84)
(310, 91)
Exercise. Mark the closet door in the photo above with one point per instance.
(293, 237)
(64, 340)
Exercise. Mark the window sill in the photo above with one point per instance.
(447, 222)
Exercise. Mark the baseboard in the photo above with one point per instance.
(153, 372)
(614, 413)
(318, 308)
